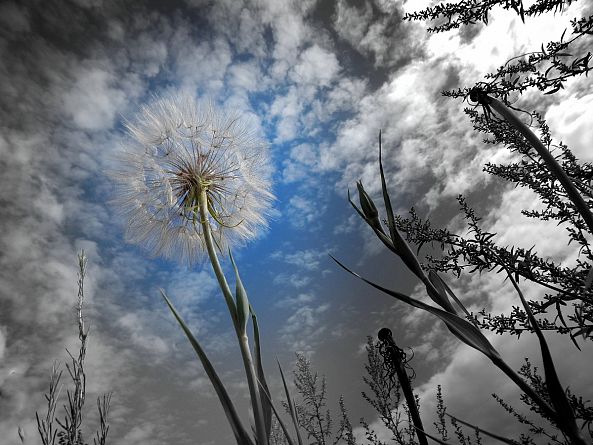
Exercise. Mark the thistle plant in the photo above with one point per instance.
(193, 182)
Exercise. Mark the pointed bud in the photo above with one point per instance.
(368, 207)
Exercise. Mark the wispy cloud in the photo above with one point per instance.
(319, 82)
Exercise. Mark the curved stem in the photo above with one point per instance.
(524, 386)
(548, 159)
(241, 336)
(210, 247)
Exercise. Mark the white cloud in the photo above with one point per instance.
(94, 100)
(570, 122)
(298, 300)
(204, 64)
(305, 212)
(351, 22)
(139, 434)
(294, 280)
(304, 328)
(288, 108)
(190, 288)
(141, 335)
(245, 75)
(149, 54)
(316, 66)
(290, 33)
(309, 260)
(514, 229)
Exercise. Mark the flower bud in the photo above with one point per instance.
(368, 207)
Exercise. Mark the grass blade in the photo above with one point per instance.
(431, 437)
(564, 412)
(461, 328)
(435, 278)
(241, 435)
(264, 390)
(386, 199)
(487, 433)
(401, 246)
(291, 407)
(551, 163)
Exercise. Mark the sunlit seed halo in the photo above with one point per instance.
(177, 149)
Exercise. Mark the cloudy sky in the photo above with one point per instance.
(319, 80)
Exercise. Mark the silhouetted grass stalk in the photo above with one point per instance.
(461, 328)
(386, 336)
(565, 414)
(46, 426)
(553, 166)
(71, 426)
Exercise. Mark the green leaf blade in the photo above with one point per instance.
(263, 385)
(241, 435)
(291, 406)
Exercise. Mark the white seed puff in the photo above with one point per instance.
(177, 148)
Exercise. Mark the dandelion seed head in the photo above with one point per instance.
(177, 149)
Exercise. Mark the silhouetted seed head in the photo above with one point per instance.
(385, 334)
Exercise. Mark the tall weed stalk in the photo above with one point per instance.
(69, 430)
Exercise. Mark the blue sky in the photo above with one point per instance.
(319, 79)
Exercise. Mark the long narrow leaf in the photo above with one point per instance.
(589, 279)
(355, 207)
(434, 277)
(241, 436)
(461, 328)
(266, 393)
(386, 240)
(431, 437)
(266, 403)
(551, 163)
(386, 199)
(405, 252)
(564, 412)
(401, 246)
(291, 407)
(487, 433)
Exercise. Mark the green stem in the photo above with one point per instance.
(241, 336)
(224, 286)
